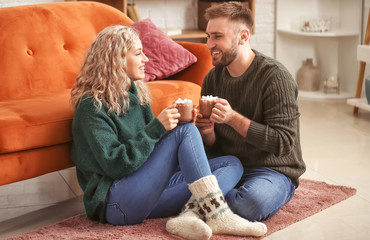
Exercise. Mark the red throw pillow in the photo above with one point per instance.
(166, 57)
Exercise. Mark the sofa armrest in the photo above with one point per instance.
(196, 72)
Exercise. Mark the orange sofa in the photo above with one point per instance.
(41, 50)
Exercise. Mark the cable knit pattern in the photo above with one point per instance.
(267, 94)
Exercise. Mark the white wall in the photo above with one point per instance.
(264, 37)
(184, 14)
(365, 17)
(11, 3)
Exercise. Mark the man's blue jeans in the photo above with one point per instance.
(260, 193)
(159, 187)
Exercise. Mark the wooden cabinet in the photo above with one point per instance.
(119, 4)
(199, 34)
(186, 34)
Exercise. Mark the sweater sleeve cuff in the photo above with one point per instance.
(155, 129)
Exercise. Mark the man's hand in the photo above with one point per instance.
(222, 112)
(204, 125)
(206, 129)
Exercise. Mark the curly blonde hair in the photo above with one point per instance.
(103, 76)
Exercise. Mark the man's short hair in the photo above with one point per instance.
(233, 10)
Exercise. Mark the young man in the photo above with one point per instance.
(255, 117)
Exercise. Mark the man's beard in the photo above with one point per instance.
(227, 57)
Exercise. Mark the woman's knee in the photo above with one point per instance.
(187, 128)
(228, 163)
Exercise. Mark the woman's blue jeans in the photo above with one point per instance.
(159, 187)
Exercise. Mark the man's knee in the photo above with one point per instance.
(248, 208)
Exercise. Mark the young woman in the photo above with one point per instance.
(132, 165)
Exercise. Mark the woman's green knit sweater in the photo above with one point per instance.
(107, 147)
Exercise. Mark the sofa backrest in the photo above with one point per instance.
(42, 46)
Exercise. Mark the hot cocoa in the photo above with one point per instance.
(206, 104)
(185, 108)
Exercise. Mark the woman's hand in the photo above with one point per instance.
(169, 117)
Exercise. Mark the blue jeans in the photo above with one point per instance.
(260, 193)
(159, 187)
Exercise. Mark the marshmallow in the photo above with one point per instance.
(209, 98)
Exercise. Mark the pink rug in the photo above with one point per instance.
(311, 197)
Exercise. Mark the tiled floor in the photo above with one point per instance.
(336, 148)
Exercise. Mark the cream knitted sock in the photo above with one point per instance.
(218, 215)
(189, 223)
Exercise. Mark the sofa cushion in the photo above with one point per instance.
(46, 120)
(35, 122)
(166, 57)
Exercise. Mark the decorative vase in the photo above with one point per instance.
(308, 76)
(367, 88)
